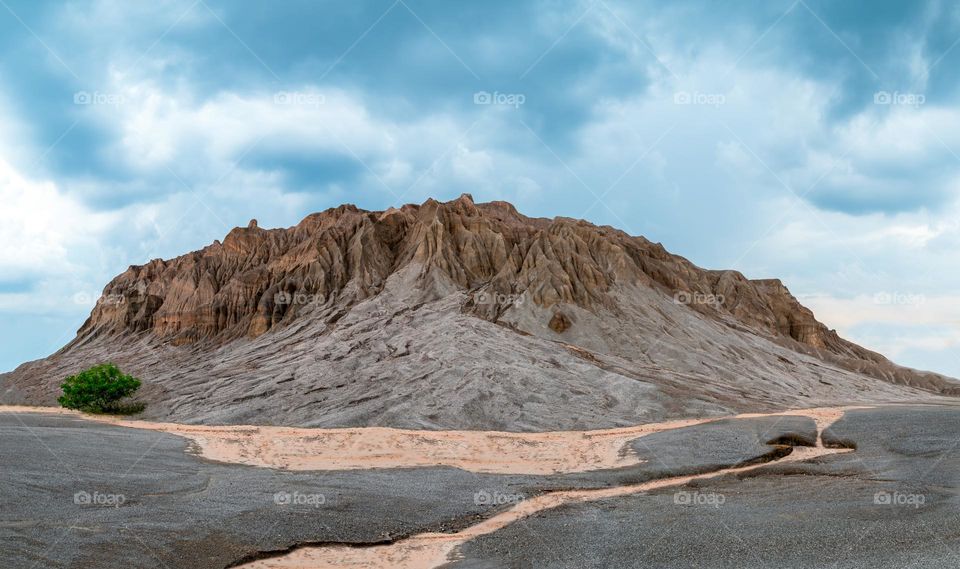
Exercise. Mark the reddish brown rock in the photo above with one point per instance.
(559, 323)
(350, 297)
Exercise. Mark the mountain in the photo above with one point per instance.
(459, 315)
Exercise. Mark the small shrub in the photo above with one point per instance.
(100, 389)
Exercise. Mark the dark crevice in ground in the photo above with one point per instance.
(270, 554)
(782, 447)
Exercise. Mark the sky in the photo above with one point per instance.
(813, 141)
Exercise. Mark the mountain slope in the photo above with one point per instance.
(459, 315)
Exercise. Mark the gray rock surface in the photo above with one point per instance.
(891, 504)
(178, 510)
(459, 316)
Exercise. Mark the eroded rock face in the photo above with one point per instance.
(259, 279)
(339, 295)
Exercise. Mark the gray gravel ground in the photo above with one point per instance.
(182, 511)
(179, 510)
(892, 504)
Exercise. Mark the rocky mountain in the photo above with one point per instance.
(459, 315)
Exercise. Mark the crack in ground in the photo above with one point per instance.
(434, 549)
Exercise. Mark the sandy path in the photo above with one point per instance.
(477, 451)
(489, 452)
(431, 550)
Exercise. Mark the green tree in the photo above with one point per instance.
(99, 390)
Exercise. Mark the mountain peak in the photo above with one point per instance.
(369, 281)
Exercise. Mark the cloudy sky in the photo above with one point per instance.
(814, 141)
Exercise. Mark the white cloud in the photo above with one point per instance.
(159, 128)
(711, 188)
(49, 247)
(885, 306)
(893, 322)
(39, 225)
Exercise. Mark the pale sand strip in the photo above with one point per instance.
(490, 452)
(431, 550)
(477, 451)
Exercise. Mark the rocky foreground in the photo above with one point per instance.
(849, 488)
(460, 316)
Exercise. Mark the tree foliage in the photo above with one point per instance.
(100, 389)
